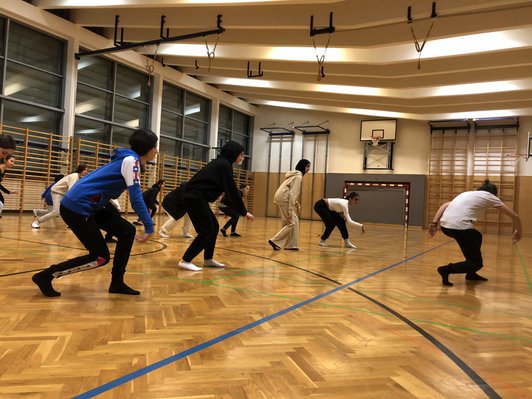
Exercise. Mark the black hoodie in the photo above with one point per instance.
(216, 178)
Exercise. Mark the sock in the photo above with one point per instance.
(323, 243)
(44, 282)
(444, 276)
(274, 245)
(475, 277)
(119, 287)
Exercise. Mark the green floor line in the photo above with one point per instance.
(525, 271)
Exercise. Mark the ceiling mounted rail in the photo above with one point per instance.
(121, 45)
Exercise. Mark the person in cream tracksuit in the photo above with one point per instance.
(83, 210)
(286, 198)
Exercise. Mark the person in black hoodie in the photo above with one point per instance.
(206, 186)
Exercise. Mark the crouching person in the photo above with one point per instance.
(83, 210)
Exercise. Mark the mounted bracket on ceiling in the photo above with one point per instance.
(258, 74)
(121, 45)
(450, 124)
(329, 29)
(419, 47)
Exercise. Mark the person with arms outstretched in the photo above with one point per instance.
(456, 219)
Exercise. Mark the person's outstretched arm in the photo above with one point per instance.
(518, 232)
(435, 220)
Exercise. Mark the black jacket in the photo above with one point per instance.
(216, 178)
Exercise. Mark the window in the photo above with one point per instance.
(111, 101)
(32, 79)
(185, 120)
(236, 126)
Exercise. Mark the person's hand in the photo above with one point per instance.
(145, 237)
(432, 230)
(516, 236)
(249, 216)
(13, 191)
(362, 229)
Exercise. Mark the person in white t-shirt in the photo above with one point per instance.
(456, 220)
(335, 213)
(58, 192)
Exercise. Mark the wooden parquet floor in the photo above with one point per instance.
(317, 323)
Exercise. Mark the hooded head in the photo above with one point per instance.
(302, 166)
(231, 150)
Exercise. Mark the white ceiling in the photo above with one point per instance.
(477, 61)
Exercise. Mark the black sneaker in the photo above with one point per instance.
(235, 234)
(137, 223)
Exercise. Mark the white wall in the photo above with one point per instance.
(346, 151)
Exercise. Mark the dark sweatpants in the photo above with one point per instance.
(205, 224)
(234, 216)
(469, 241)
(331, 219)
(87, 230)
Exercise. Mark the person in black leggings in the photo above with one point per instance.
(456, 219)
(226, 207)
(206, 186)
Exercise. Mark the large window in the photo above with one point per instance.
(236, 126)
(184, 124)
(32, 78)
(111, 101)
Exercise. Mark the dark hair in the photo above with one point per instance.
(81, 167)
(302, 165)
(7, 142)
(244, 185)
(351, 195)
(159, 183)
(7, 158)
(58, 177)
(489, 187)
(142, 140)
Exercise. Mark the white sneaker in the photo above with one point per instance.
(35, 224)
(212, 263)
(188, 266)
(323, 243)
(188, 235)
(347, 244)
(163, 233)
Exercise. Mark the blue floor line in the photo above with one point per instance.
(145, 370)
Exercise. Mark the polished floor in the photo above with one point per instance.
(322, 322)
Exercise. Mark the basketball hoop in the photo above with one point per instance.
(375, 140)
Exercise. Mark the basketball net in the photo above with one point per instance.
(375, 140)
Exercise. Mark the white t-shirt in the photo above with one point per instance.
(63, 185)
(341, 206)
(464, 210)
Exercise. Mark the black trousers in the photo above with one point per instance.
(234, 216)
(331, 219)
(205, 224)
(87, 230)
(469, 241)
(176, 209)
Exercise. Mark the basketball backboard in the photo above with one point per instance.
(383, 128)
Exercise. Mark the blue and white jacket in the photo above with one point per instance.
(94, 191)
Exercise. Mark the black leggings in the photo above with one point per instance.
(87, 230)
(331, 219)
(234, 216)
(469, 241)
(205, 224)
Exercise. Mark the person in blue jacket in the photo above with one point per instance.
(47, 198)
(206, 186)
(83, 210)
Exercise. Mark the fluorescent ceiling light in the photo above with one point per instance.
(12, 88)
(133, 123)
(421, 92)
(454, 46)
